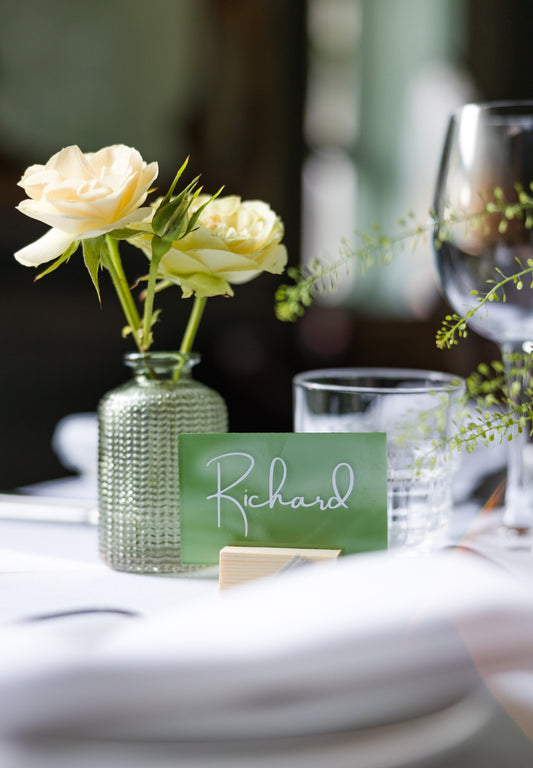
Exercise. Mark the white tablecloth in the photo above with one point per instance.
(375, 660)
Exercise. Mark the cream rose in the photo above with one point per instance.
(234, 242)
(82, 196)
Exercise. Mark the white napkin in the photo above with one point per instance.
(75, 441)
(365, 641)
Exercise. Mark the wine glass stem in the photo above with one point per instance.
(518, 513)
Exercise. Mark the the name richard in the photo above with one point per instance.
(241, 500)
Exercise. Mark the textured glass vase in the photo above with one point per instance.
(138, 485)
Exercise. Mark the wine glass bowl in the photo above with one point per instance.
(483, 237)
(488, 150)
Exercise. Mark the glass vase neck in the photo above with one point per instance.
(160, 366)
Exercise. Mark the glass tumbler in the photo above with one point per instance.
(419, 411)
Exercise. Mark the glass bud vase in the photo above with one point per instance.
(138, 486)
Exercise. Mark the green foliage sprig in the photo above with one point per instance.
(503, 402)
(454, 326)
(502, 392)
(318, 278)
(499, 413)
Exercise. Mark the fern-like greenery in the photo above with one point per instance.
(318, 278)
(503, 402)
(499, 412)
(454, 326)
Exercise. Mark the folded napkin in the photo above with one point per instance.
(336, 648)
(75, 441)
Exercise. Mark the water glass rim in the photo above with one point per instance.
(351, 380)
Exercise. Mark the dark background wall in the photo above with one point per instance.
(61, 351)
(242, 128)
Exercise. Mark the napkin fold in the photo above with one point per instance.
(365, 641)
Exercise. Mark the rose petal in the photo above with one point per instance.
(87, 193)
(79, 226)
(48, 247)
(137, 215)
(234, 242)
(70, 162)
(275, 261)
(204, 285)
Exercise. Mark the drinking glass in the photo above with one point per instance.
(419, 411)
(488, 151)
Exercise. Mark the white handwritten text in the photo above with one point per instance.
(277, 477)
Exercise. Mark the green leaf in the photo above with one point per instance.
(169, 220)
(65, 256)
(161, 215)
(159, 248)
(176, 225)
(125, 233)
(197, 213)
(92, 255)
(166, 214)
(170, 192)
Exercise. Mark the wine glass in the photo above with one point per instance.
(488, 150)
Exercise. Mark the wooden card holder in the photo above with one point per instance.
(241, 564)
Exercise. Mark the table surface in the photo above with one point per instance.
(50, 567)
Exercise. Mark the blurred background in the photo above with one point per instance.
(333, 111)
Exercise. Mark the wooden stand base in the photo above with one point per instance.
(240, 564)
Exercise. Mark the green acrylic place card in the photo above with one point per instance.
(316, 491)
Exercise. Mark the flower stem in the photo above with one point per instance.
(190, 331)
(192, 326)
(149, 302)
(111, 260)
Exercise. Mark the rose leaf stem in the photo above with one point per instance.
(192, 326)
(111, 260)
(149, 301)
(191, 329)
